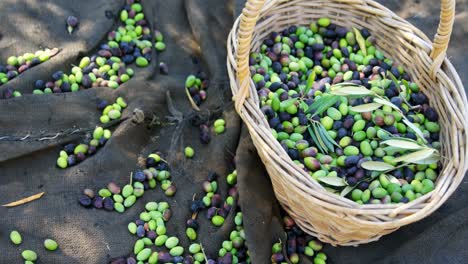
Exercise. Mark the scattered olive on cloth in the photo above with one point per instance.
(116, 198)
(130, 43)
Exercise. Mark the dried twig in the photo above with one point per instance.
(203, 251)
(194, 105)
(25, 200)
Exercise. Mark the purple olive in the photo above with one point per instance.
(188, 260)
(226, 259)
(140, 231)
(178, 259)
(98, 202)
(108, 204)
(139, 176)
(277, 258)
(216, 200)
(193, 223)
(211, 212)
(72, 23)
(8, 93)
(233, 192)
(167, 214)
(164, 257)
(131, 260)
(80, 157)
(151, 235)
(84, 200)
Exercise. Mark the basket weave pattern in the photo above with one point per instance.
(329, 217)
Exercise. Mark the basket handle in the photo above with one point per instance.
(249, 19)
(442, 37)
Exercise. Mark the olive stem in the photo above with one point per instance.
(203, 251)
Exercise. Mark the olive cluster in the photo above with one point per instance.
(130, 43)
(298, 244)
(156, 246)
(19, 64)
(196, 86)
(114, 198)
(73, 154)
(28, 255)
(298, 74)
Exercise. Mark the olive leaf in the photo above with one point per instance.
(347, 190)
(392, 179)
(415, 129)
(366, 107)
(394, 79)
(402, 144)
(310, 82)
(319, 138)
(377, 166)
(323, 103)
(314, 138)
(415, 156)
(287, 103)
(304, 106)
(391, 150)
(361, 41)
(434, 158)
(385, 102)
(405, 83)
(351, 90)
(331, 190)
(333, 181)
(327, 137)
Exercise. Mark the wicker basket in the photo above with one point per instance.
(329, 217)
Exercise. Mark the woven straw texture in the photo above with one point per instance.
(331, 218)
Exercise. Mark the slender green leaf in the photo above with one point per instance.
(405, 83)
(333, 181)
(377, 166)
(304, 106)
(391, 150)
(288, 103)
(415, 156)
(323, 103)
(322, 133)
(402, 144)
(328, 137)
(314, 138)
(347, 190)
(351, 90)
(366, 107)
(434, 158)
(319, 139)
(386, 102)
(361, 41)
(310, 82)
(331, 190)
(415, 129)
(394, 79)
